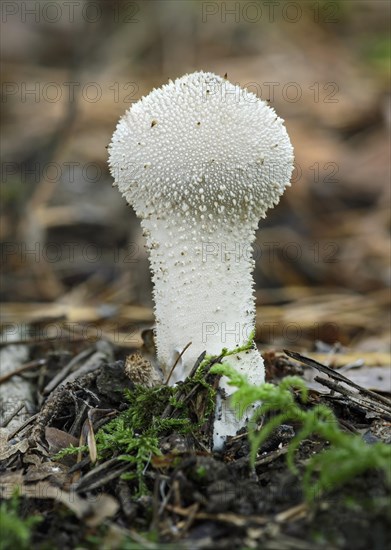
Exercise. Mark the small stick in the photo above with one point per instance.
(23, 368)
(8, 419)
(355, 398)
(22, 426)
(176, 362)
(42, 341)
(336, 375)
(66, 369)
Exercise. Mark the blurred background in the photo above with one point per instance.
(74, 266)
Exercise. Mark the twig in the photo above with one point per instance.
(66, 369)
(182, 396)
(12, 415)
(22, 426)
(271, 456)
(23, 368)
(338, 376)
(228, 517)
(57, 399)
(39, 341)
(102, 474)
(176, 362)
(358, 400)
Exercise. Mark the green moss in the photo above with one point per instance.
(201, 472)
(15, 531)
(135, 434)
(347, 456)
(69, 451)
(226, 353)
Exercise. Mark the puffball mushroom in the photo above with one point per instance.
(201, 160)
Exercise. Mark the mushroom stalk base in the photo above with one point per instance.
(228, 419)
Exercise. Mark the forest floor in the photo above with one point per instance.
(184, 494)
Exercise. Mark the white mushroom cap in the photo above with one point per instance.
(202, 145)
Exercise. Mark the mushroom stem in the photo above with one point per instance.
(183, 253)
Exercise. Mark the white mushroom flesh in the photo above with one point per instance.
(201, 160)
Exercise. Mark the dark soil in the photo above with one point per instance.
(194, 498)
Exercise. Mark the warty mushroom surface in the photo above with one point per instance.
(201, 160)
